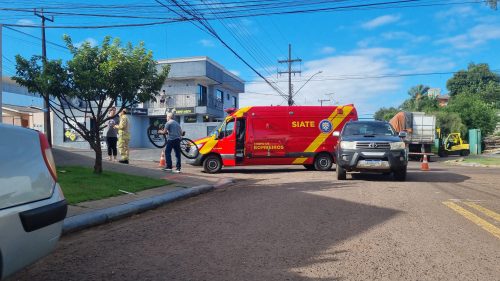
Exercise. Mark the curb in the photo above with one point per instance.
(94, 218)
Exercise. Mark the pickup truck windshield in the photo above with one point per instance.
(369, 128)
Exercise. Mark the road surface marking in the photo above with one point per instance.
(495, 231)
(483, 210)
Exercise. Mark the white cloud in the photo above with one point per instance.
(25, 22)
(406, 37)
(207, 43)
(422, 64)
(402, 35)
(346, 76)
(458, 11)
(474, 37)
(91, 40)
(327, 50)
(380, 21)
(243, 27)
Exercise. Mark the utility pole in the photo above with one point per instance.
(46, 115)
(1, 73)
(290, 61)
(321, 101)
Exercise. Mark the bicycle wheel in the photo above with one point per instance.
(158, 140)
(189, 148)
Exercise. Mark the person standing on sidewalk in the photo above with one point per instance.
(174, 135)
(123, 136)
(112, 134)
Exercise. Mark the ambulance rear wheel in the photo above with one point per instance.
(323, 162)
(212, 164)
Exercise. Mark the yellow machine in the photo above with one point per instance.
(453, 144)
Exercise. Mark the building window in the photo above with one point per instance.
(235, 102)
(202, 95)
(227, 96)
(190, 119)
(219, 100)
(219, 96)
(206, 118)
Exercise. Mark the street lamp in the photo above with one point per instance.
(321, 101)
(335, 101)
(321, 71)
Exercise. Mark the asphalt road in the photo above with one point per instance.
(286, 223)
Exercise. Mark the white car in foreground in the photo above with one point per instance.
(32, 205)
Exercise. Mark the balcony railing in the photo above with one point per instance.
(188, 100)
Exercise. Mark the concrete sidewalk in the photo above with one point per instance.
(86, 214)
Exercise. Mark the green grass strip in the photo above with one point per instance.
(483, 160)
(80, 184)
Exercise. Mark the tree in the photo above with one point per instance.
(474, 112)
(492, 3)
(100, 77)
(416, 92)
(385, 114)
(477, 80)
(419, 100)
(424, 104)
(449, 122)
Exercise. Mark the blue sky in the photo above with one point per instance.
(352, 49)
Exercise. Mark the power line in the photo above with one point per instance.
(209, 28)
(36, 37)
(359, 77)
(267, 11)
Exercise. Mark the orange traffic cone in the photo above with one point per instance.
(162, 160)
(425, 164)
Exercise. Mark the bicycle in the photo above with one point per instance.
(188, 146)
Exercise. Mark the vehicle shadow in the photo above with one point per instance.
(247, 170)
(250, 232)
(415, 176)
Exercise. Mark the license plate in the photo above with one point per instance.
(370, 163)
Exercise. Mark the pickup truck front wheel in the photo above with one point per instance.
(341, 173)
(400, 175)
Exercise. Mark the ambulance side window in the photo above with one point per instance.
(227, 130)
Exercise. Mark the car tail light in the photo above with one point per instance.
(47, 155)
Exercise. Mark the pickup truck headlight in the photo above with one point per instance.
(397, 145)
(348, 144)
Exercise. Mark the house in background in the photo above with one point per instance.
(24, 116)
(443, 100)
(197, 90)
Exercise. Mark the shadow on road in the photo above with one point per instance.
(247, 170)
(415, 176)
(248, 232)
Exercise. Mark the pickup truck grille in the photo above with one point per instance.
(373, 145)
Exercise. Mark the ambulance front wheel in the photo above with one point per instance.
(212, 164)
(309, 167)
(323, 162)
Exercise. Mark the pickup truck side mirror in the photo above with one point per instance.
(336, 134)
(403, 135)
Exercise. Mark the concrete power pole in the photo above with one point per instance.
(290, 61)
(46, 105)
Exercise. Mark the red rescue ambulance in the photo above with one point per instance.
(274, 135)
